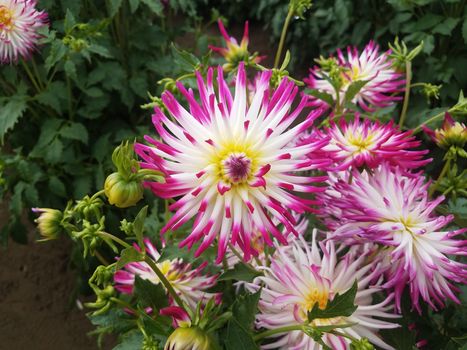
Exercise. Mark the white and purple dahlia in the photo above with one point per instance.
(301, 276)
(358, 143)
(19, 21)
(391, 207)
(230, 163)
(190, 284)
(371, 66)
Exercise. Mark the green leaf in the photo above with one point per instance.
(53, 96)
(69, 21)
(128, 255)
(138, 225)
(155, 6)
(354, 89)
(75, 131)
(100, 50)
(134, 4)
(240, 272)
(186, 60)
(57, 187)
(446, 27)
(464, 30)
(341, 305)
(150, 294)
(70, 69)
(324, 96)
(237, 337)
(114, 6)
(245, 307)
(131, 341)
(10, 114)
(57, 52)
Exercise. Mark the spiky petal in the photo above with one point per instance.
(371, 66)
(230, 163)
(300, 276)
(190, 284)
(19, 21)
(392, 208)
(362, 142)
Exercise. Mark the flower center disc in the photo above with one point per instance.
(236, 167)
(6, 18)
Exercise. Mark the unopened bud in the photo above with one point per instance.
(123, 192)
(188, 339)
(49, 222)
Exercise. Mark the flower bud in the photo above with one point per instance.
(49, 222)
(123, 192)
(189, 339)
(451, 133)
(361, 344)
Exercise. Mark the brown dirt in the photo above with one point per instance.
(36, 310)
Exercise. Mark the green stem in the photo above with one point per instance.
(151, 264)
(282, 40)
(432, 119)
(408, 78)
(124, 304)
(164, 281)
(440, 177)
(417, 84)
(36, 72)
(268, 333)
(97, 194)
(31, 76)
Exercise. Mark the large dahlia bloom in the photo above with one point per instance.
(371, 66)
(369, 143)
(300, 277)
(391, 208)
(190, 284)
(19, 21)
(231, 162)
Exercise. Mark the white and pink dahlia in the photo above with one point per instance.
(391, 208)
(368, 143)
(300, 276)
(19, 21)
(370, 65)
(190, 284)
(230, 162)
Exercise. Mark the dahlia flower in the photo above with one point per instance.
(451, 133)
(235, 53)
(19, 21)
(371, 66)
(391, 208)
(299, 277)
(367, 143)
(231, 162)
(189, 283)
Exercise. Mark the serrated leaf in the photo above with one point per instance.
(446, 27)
(114, 6)
(341, 305)
(70, 69)
(52, 97)
(74, 131)
(245, 307)
(54, 151)
(155, 6)
(128, 255)
(69, 21)
(57, 186)
(131, 341)
(237, 337)
(150, 294)
(320, 95)
(57, 52)
(186, 60)
(354, 89)
(138, 225)
(240, 272)
(10, 113)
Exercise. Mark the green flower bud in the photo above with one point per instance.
(103, 301)
(89, 205)
(49, 222)
(123, 192)
(361, 344)
(188, 339)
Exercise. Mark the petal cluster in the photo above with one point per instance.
(301, 276)
(19, 21)
(391, 207)
(363, 142)
(230, 163)
(371, 66)
(190, 284)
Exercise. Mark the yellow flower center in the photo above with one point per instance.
(316, 296)
(235, 163)
(6, 18)
(361, 142)
(168, 272)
